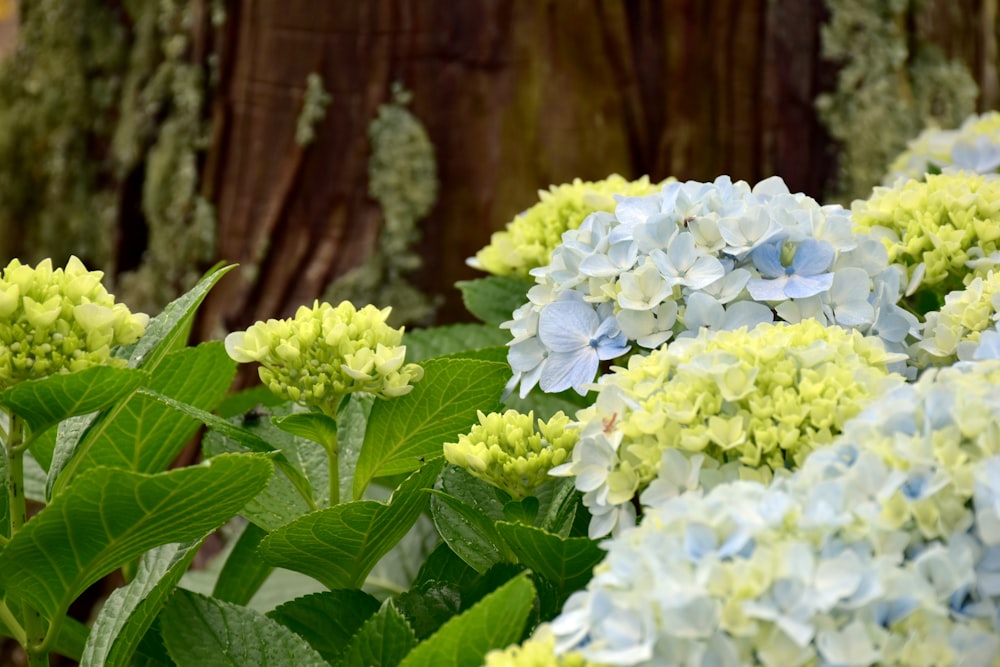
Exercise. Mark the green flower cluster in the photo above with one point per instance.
(59, 321)
(952, 333)
(935, 149)
(528, 240)
(326, 352)
(537, 651)
(935, 227)
(507, 450)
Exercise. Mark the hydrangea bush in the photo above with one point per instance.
(718, 255)
(975, 147)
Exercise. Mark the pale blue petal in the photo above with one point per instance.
(746, 314)
(800, 287)
(565, 370)
(705, 271)
(633, 210)
(565, 326)
(767, 290)
(623, 255)
(767, 259)
(598, 266)
(699, 540)
(812, 257)
(854, 313)
(703, 311)
(525, 355)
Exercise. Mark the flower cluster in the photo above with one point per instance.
(882, 549)
(58, 321)
(938, 228)
(326, 352)
(507, 451)
(973, 147)
(953, 333)
(537, 651)
(528, 240)
(762, 398)
(698, 255)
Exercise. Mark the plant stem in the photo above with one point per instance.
(333, 461)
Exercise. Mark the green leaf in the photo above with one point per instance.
(311, 425)
(521, 511)
(396, 570)
(247, 401)
(130, 611)
(383, 641)
(200, 631)
(340, 545)
(46, 402)
(428, 605)
(141, 433)
(568, 562)
(423, 344)
(407, 430)
(327, 620)
(558, 501)
(495, 298)
(470, 533)
(108, 517)
(496, 621)
(244, 570)
(444, 565)
(168, 331)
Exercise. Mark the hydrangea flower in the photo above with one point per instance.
(509, 452)
(975, 146)
(953, 333)
(762, 398)
(528, 240)
(59, 320)
(882, 549)
(718, 255)
(325, 352)
(938, 229)
(536, 651)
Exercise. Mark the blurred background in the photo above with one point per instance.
(364, 149)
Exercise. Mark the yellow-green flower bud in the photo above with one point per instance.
(507, 451)
(537, 651)
(952, 333)
(528, 240)
(59, 321)
(326, 352)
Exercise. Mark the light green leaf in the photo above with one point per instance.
(567, 562)
(495, 298)
(244, 570)
(46, 402)
(327, 620)
(423, 344)
(407, 430)
(141, 433)
(227, 634)
(496, 621)
(382, 641)
(131, 610)
(108, 517)
(340, 545)
(312, 425)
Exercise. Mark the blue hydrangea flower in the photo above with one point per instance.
(578, 339)
(806, 276)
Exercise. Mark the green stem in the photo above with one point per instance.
(12, 625)
(333, 461)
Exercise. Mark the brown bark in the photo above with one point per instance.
(515, 95)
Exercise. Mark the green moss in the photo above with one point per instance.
(891, 84)
(313, 110)
(402, 178)
(101, 125)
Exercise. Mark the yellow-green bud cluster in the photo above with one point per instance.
(529, 239)
(935, 227)
(59, 321)
(325, 352)
(952, 333)
(537, 651)
(509, 452)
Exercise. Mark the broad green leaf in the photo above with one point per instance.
(131, 610)
(395, 572)
(427, 606)
(444, 565)
(568, 562)
(485, 497)
(496, 621)
(495, 298)
(423, 344)
(382, 641)
(311, 425)
(522, 511)
(244, 570)
(168, 331)
(558, 501)
(545, 405)
(352, 423)
(141, 433)
(108, 517)
(46, 402)
(470, 533)
(340, 545)
(247, 401)
(405, 431)
(327, 620)
(200, 631)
